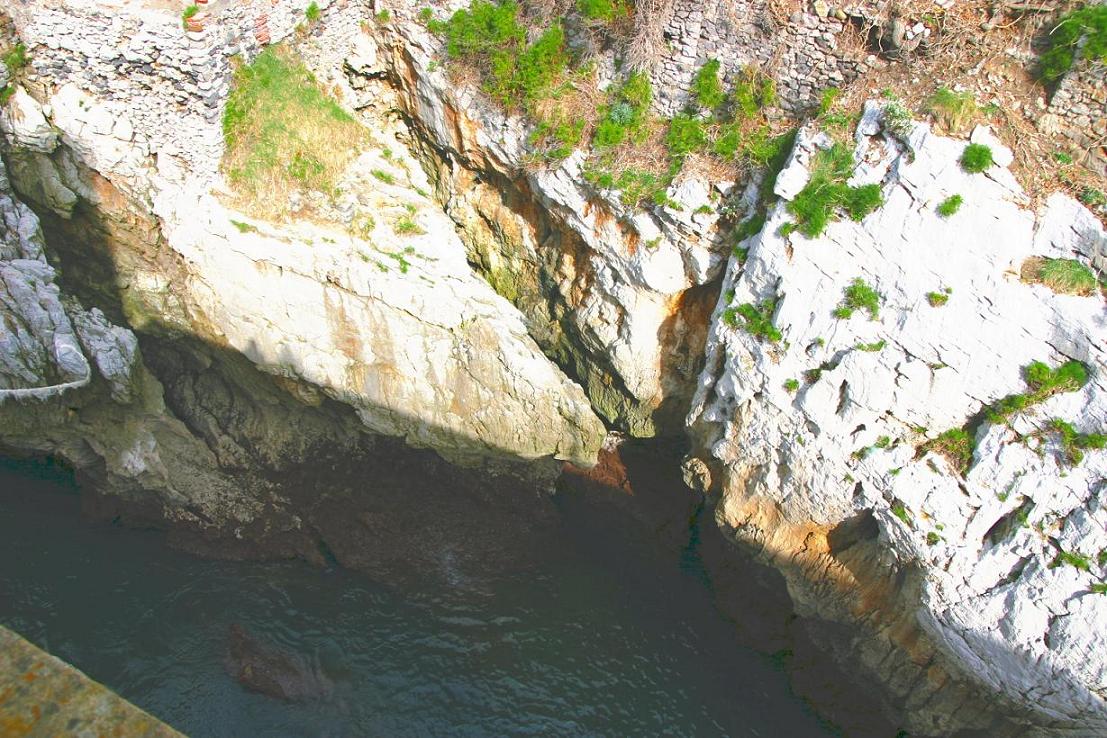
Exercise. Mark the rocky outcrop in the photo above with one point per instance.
(285, 384)
(288, 374)
(820, 447)
(400, 330)
(45, 696)
(619, 297)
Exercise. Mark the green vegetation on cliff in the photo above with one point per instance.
(1043, 383)
(976, 158)
(826, 193)
(491, 38)
(283, 134)
(629, 149)
(14, 59)
(1063, 276)
(1088, 23)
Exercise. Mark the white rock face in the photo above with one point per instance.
(620, 273)
(849, 440)
(397, 327)
(23, 121)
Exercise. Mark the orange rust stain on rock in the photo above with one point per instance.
(14, 727)
(868, 592)
(343, 332)
(610, 471)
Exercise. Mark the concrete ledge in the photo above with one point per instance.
(41, 695)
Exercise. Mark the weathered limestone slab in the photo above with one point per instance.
(41, 695)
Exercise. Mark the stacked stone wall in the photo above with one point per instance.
(171, 82)
(1080, 108)
(803, 52)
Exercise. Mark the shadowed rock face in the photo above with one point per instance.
(269, 670)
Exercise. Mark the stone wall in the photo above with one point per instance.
(1080, 107)
(172, 82)
(803, 53)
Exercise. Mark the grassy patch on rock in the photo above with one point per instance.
(1042, 383)
(826, 193)
(956, 446)
(976, 158)
(283, 134)
(859, 296)
(1063, 276)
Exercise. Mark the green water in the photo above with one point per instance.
(591, 642)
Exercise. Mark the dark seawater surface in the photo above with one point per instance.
(592, 642)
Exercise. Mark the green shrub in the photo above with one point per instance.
(1043, 382)
(900, 511)
(1098, 588)
(754, 147)
(491, 37)
(426, 15)
(859, 296)
(1092, 197)
(635, 186)
(860, 201)
(564, 135)
(283, 133)
(956, 445)
(753, 92)
(312, 12)
(897, 118)
(826, 192)
(937, 299)
(872, 347)
(383, 16)
(187, 13)
(407, 226)
(750, 226)
(627, 114)
(1076, 560)
(604, 10)
(1064, 40)
(976, 158)
(706, 88)
(954, 109)
(791, 385)
(758, 319)
(686, 135)
(827, 99)
(383, 176)
(950, 206)
(1074, 444)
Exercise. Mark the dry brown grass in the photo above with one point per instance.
(1063, 276)
(284, 135)
(647, 46)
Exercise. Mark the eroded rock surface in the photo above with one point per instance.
(957, 578)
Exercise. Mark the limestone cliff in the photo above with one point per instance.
(224, 360)
(821, 446)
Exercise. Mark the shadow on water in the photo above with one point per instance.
(594, 639)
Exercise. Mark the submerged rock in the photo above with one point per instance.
(274, 671)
